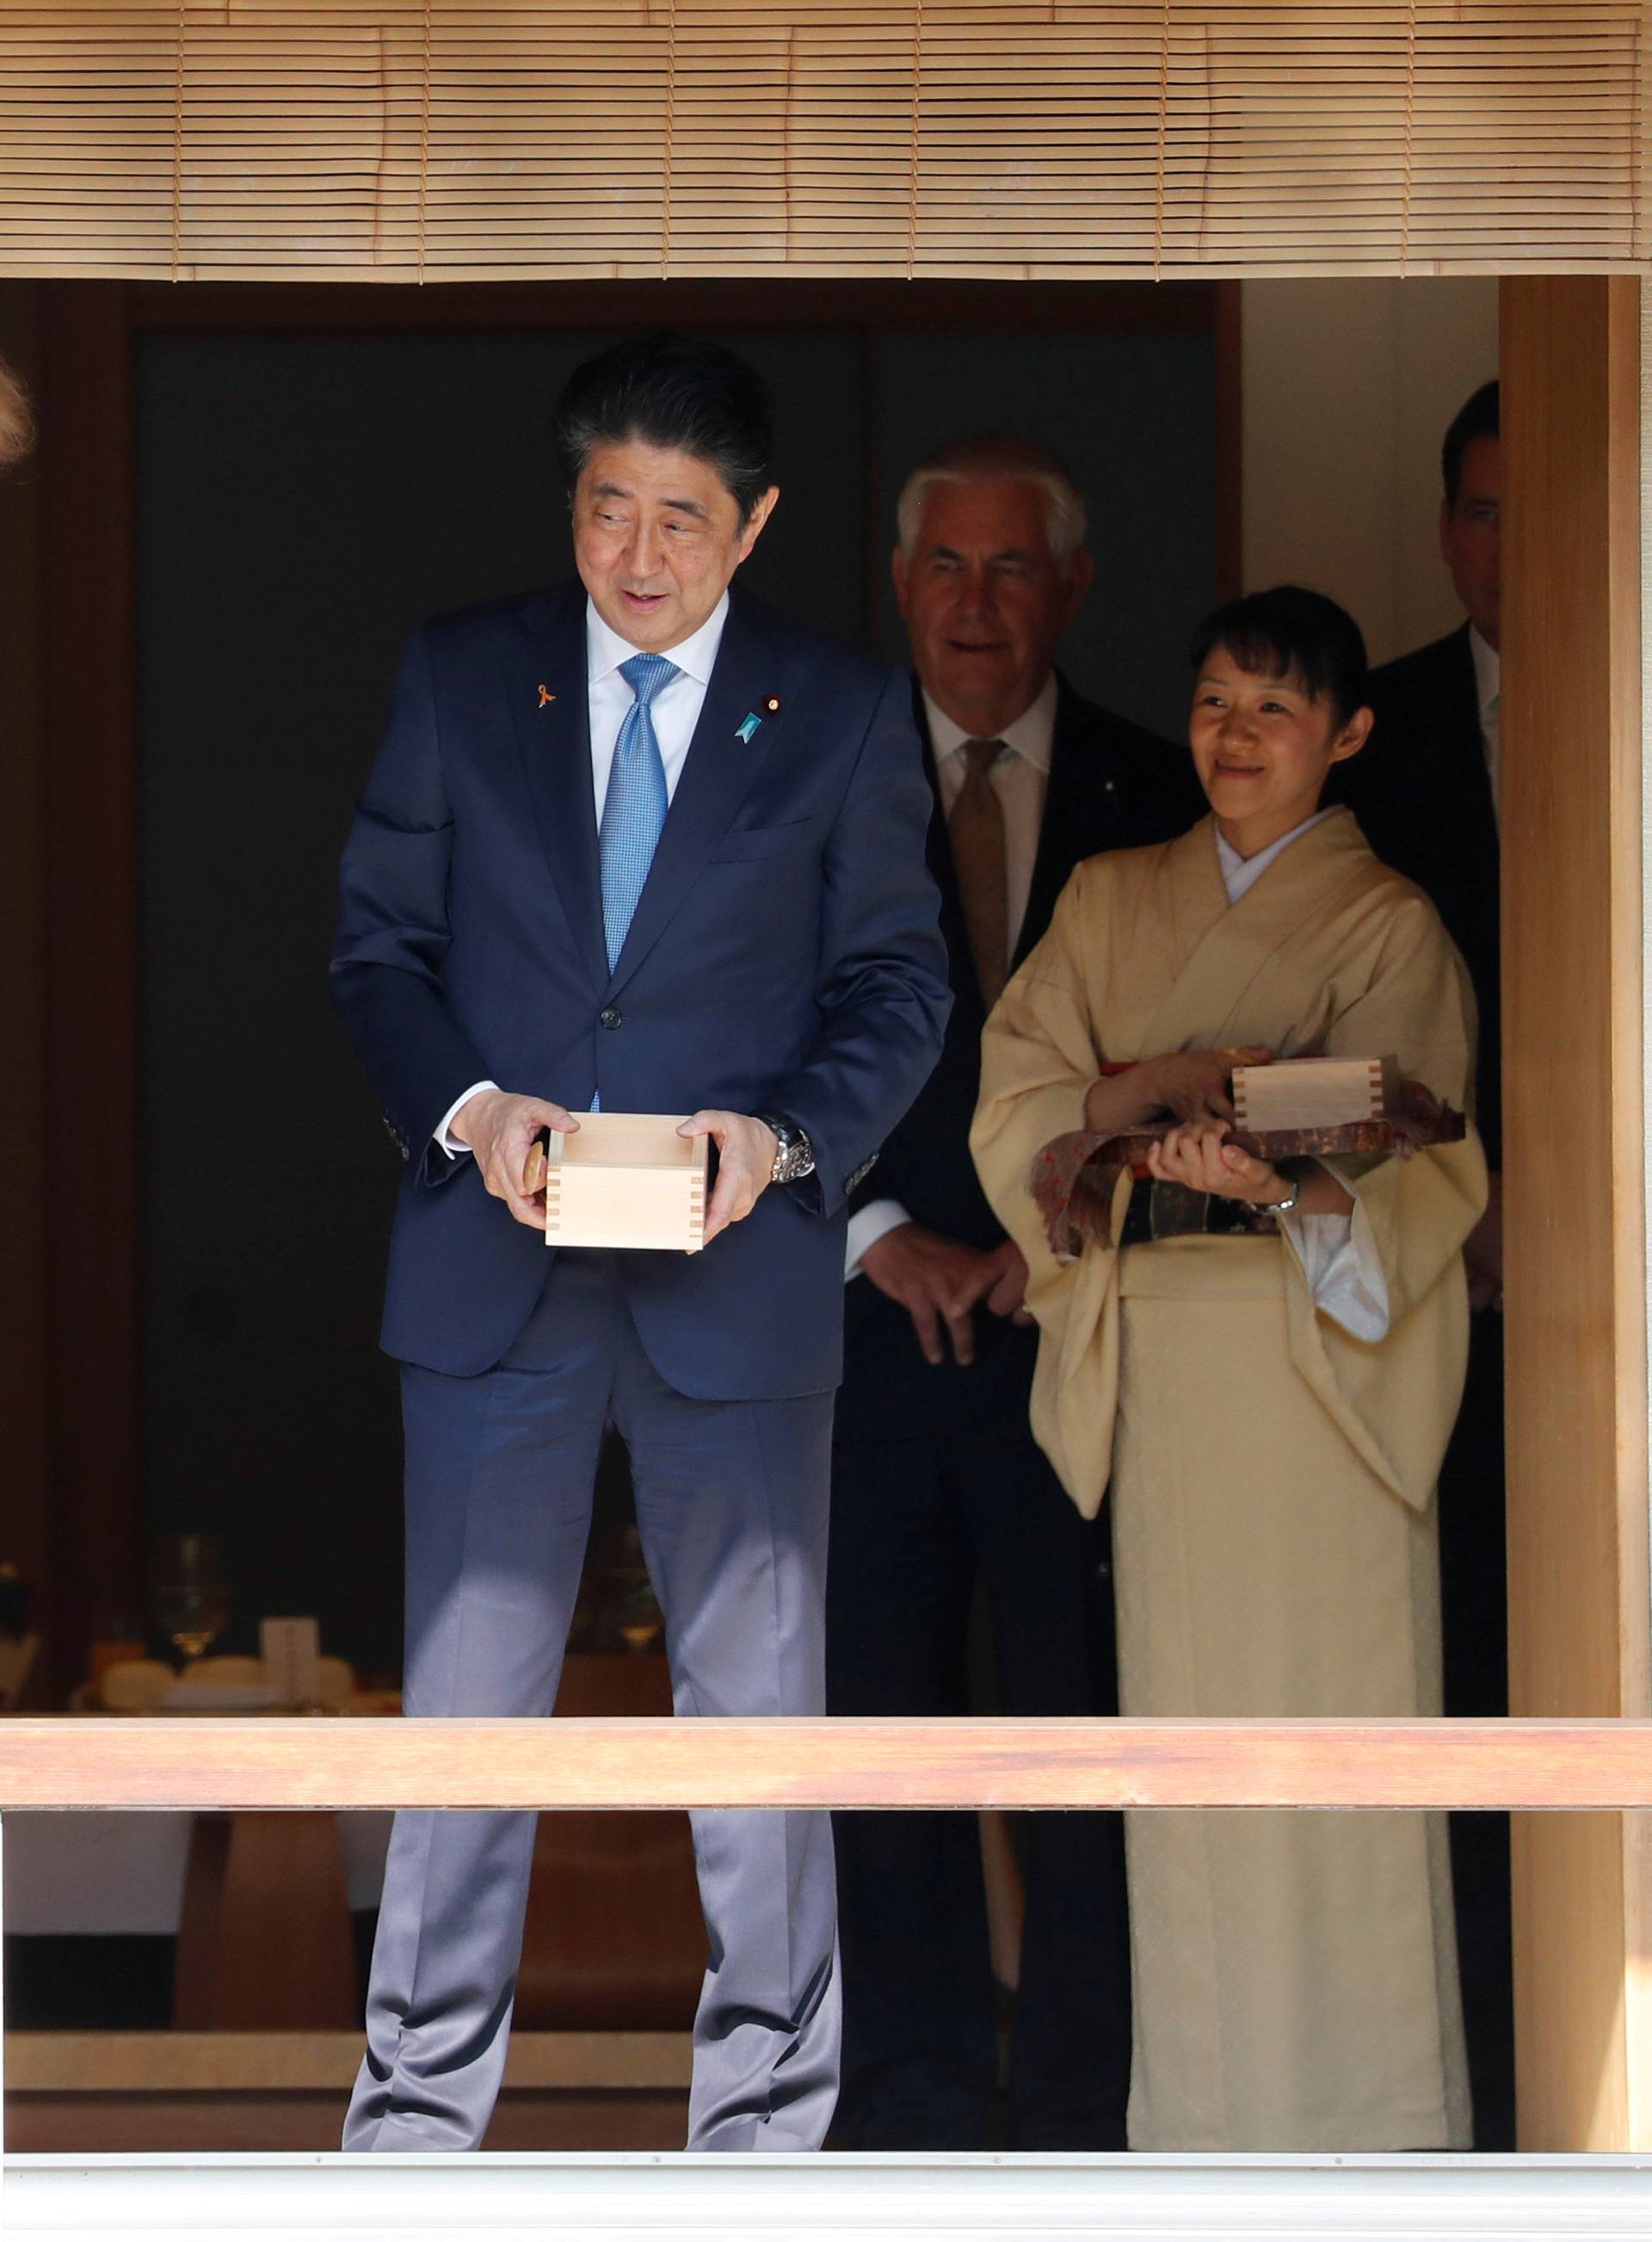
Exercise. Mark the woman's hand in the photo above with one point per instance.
(1199, 1157)
(1194, 1085)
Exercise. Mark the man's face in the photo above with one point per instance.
(656, 537)
(985, 600)
(1469, 535)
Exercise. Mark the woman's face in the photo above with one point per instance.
(1262, 747)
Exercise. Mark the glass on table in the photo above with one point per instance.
(191, 1597)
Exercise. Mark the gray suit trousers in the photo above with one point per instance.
(732, 1500)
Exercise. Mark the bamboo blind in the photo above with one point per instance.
(472, 139)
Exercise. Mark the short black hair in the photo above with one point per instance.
(1290, 632)
(679, 393)
(1478, 418)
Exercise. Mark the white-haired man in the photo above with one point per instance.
(938, 1488)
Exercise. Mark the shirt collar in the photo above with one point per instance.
(605, 649)
(1489, 670)
(1245, 871)
(1031, 735)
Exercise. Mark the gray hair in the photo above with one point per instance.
(992, 457)
(16, 421)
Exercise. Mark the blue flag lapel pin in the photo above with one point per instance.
(770, 708)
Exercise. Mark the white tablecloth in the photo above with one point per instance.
(109, 1873)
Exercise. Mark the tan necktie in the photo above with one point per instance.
(975, 826)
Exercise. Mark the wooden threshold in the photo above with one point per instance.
(301, 2062)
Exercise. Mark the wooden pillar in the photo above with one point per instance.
(1575, 1181)
(87, 808)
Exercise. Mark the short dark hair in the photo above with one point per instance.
(1290, 632)
(678, 394)
(1478, 418)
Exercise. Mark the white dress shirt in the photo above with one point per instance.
(1020, 778)
(676, 709)
(1488, 692)
(1337, 1251)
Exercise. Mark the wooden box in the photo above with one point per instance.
(626, 1180)
(1313, 1093)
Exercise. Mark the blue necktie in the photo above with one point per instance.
(634, 810)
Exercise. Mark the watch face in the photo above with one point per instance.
(793, 1157)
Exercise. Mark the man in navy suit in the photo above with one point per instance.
(941, 1495)
(640, 843)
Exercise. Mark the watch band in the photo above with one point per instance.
(794, 1154)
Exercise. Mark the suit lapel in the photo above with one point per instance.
(1462, 722)
(554, 738)
(720, 767)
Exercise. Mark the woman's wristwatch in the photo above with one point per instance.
(1293, 1191)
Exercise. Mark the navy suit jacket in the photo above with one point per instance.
(785, 956)
(1423, 794)
(1112, 785)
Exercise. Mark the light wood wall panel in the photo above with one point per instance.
(1576, 1174)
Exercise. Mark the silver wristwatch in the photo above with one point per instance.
(794, 1154)
(1283, 1205)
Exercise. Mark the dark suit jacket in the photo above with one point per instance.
(1423, 794)
(785, 956)
(1111, 786)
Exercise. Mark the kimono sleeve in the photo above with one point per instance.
(1396, 1399)
(1419, 1007)
(1039, 1058)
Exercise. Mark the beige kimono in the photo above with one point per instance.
(1272, 1480)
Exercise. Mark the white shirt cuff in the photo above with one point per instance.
(1338, 1258)
(454, 1151)
(866, 1226)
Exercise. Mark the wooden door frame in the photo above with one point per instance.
(1574, 996)
(1575, 1201)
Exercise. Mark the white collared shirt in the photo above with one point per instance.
(1241, 873)
(675, 710)
(1488, 692)
(1020, 778)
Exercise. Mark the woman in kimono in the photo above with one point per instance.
(1267, 1397)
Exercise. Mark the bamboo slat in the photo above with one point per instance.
(451, 139)
(230, 1764)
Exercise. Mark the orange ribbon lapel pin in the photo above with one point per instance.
(546, 696)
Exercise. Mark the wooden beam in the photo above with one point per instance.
(310, 2062)
(597, 306)
(1572, 988)
(241, 1763)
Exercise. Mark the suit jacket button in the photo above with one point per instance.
(610, 1018)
